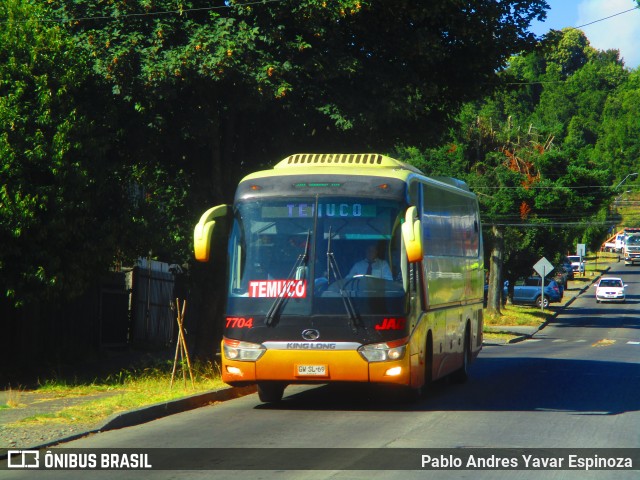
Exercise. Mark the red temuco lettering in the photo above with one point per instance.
(391, 324)
(278, 288)
(239, 322)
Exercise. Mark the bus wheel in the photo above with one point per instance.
(413, 394)
(462, 374)
(270, 392)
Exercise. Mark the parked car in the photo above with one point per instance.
(610, 289)
(528, 292)
(577, 263)
(562, 275)
(565, 263)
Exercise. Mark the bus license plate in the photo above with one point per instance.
(311, 370)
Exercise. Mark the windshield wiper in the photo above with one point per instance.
(296, 271)
(332, 264)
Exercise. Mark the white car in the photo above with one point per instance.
(577, 263)
(610, 289)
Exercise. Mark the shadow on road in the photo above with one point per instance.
(600, 315)
(581, 387)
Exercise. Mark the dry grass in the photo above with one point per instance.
(14, 397)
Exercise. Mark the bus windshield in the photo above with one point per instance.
(317, 256)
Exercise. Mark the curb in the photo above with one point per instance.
(154, 412)
(164, 409)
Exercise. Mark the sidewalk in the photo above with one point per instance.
(49, 433)
(26, 402)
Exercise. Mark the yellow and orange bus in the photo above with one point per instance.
(303, 305)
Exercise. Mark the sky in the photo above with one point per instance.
(621, 32)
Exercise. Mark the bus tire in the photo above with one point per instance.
(413, 394)
(462, 374)
(270, 392)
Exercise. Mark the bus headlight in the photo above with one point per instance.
(384, 352)
(243, 351)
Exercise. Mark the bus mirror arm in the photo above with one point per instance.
(412, 235)
(203, 232)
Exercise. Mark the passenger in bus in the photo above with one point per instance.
(372, 265)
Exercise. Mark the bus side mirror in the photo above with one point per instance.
(412, 235)
(203, 232)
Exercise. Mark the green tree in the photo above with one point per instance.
(207, 92)
(558, 94)
(618, 145)
(219, 89)
(567, 51)
(541, 152)
(60, 203)
(122, 121)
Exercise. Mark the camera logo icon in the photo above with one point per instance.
(23, 459)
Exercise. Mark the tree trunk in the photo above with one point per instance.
(494, 298)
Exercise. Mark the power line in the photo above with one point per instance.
(125, 16)
(574, 28)
(607, 18)
(227, 6)
(604, 18)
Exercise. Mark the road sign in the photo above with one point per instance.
(543, 267)
(581, 249)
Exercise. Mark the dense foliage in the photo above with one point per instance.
(545, 150)
(123, 121)
(59, 215)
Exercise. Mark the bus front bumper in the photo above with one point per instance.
(295, 366)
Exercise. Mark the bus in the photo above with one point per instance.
(298, 311)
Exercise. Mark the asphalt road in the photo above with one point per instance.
(576, 384)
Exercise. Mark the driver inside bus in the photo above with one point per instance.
(372, 265)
